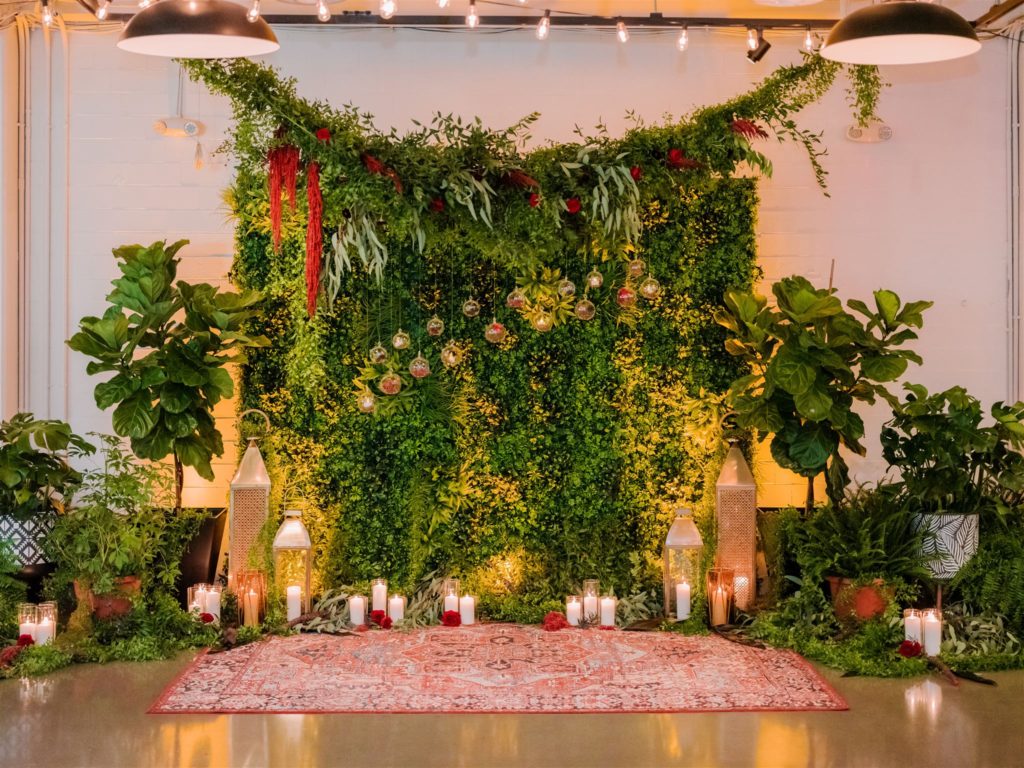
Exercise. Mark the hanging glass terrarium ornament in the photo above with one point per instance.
(516, 299)
(495, 332)
(566, 287)
(585, 309)
(378, 354)
(419, 368)
(435, 326)
(626, 297)
(543, 322)
(366, 401)
(636, 267)
(594, 279)
(471, 308)
(390, 383)
(650, 288)
(451, 355)
(401, 340)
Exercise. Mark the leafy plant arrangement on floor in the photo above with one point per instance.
(168, 370)
(810, 361)
(12, 592)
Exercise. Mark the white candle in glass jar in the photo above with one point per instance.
(719, 613)
(912, 628)
(252, 609)
(357, 609)
(294, 602)
(396, 608)
(682, 600)
(932, 631)
(44, 631)
(27, 628)
(607, 611)
(573, 610)
(590, 607)
(467, 609)
(451, 602)
(201, 599)
(213, 603)
(380, 595)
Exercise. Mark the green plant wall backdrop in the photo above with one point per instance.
(548, 457)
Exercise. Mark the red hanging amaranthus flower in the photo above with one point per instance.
(677, 160)
(284, 171)
(314, 236)
(376, 167)
(748, 129)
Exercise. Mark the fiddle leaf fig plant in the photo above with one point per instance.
(167, 343)
(811, 359)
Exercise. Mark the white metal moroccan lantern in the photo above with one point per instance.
(681, 555)
(737, 526)
(250, 504)
(293, 558)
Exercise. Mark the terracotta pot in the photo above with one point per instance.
(864, 602)
(113, 604)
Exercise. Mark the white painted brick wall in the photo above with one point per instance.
(925, 214)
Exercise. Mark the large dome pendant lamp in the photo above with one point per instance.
(197, 29)
(900, 32)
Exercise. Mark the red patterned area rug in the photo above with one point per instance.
(494, 668)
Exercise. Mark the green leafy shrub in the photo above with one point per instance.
(12, 592)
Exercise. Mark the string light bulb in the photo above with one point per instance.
(388, 8)
(809, 41)
(323, 13)
(621, 31)
(103, 10)
(253, 14)
(47, 13)
(684, 40)
(544, 26)
(472, 19)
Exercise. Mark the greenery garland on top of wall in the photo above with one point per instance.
(547, 458)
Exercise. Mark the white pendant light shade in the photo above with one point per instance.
(900, 32)
(197, 29)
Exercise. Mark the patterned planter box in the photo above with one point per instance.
(949, 542)
(26, 537)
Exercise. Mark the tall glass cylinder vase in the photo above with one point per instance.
(720, 592)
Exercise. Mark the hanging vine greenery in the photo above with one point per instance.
(562, 299)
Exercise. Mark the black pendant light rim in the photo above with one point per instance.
(217, 18)
(900, 17)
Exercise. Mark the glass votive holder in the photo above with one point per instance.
(591, 591)
(27, 619)
(912, 625)
(609, 604)
(450, 591)
(197, 597)
(396, 607)
(573, 610)
(467, 610)
(46, 623)
(719, 593)
(931, 631)
(252, 596)
(357, 610)
(379, 595)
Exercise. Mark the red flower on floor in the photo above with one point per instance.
(555, 621)
(437, 205)
(677, 160)
(206, 618)
(573, 205)
(605, 627)
(323, 135)
(451, 619)
(362, 628)
(534, 199)
(378, 616)
(386, 622)
(910, 648)
(636, 172)
(24, 640)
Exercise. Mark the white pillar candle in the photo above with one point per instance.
(44, 631)
(27, 628)
(451, 602)
(252, 609)
(912, 628)
(682, 600)
(719, 612)
(294, 602)
(590, 607)
(201, 599)
(213, 603)
(607, 611)
(396, 608)
(932, 631)
(357, 609)
(380, 595)
(573, 609)
(467, 609)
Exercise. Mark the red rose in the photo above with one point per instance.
(676, 159)
(636, 172)
(206, 618)
(373, 165)
(451, 619)
(534, 199)
(323, 134)
(24, 640)
(437, 205)
(573, 205)
(378, 616)
(386, 622)
(555, 621)
(910, 648)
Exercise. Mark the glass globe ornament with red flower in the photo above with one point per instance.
(451, 355)
(435, 326)
(626, 297)
(401, 340)
(594, 279)
(419, 368)
(471, 307)
(378, 354)
(366, 401)
(495, 332)
(636, 267)
(516, 299)
(566, 287)
(585, 310)
(650, 288)
(390, 383)
(543, 321)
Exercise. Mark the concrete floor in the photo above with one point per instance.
(95, 716)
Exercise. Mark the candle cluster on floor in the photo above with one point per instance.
(380, 600)
(454, 600)
(205, 598)
(38, 622)
(592, 607)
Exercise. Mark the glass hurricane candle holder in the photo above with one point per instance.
(591, 589)
(252, 596)
(680, 554)
(931, 631)
(467, 610)
(573, 610)
(27, 619)
(609, 604)
(379, 594)
(396, 607)
(197, 597)
(450, 591)
(357, 610)
(46, 623)
(912, 625)
(720, 591)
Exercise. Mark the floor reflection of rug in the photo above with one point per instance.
(498, 668)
